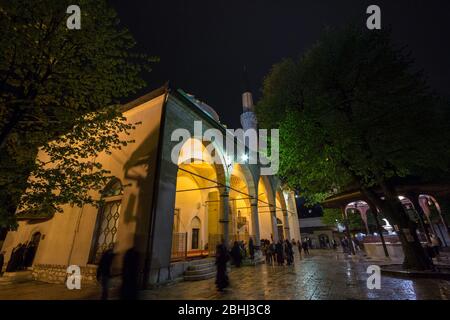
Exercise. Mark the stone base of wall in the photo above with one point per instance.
(52, 273)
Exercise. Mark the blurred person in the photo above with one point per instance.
(104, 271)
(222, 258)
(130, 272)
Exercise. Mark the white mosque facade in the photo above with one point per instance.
(172, 213)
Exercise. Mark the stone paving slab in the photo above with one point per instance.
(324, 275)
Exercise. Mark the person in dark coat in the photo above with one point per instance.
(251, 249)
(20, 257)
(299, 245)
(279, 252)
(11, 266)
(130, 272)
(2, 261)
(334, 244)
(15, 262)
(305, 248)
(236, 254)
(104, 271)
(222, 258)
(289, 252)
(29, 254)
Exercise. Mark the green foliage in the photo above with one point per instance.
(351, 111)
(59, 93)
(331, 217)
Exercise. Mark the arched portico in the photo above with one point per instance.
(282, 214)
(267, 210)
(243, 196)
(200, 189)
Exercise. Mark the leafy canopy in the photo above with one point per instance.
(352, 111)
(60, 91)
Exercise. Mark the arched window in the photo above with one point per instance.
(195, 225)
(105, 231)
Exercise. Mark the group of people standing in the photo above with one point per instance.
(283, 251)
(278, 252)
(347, 243)
(22, 257)
(238, 252)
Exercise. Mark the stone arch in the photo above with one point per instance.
(267, 209)
(244, 219)
(282, 211)
(201, 187)
(437, 224)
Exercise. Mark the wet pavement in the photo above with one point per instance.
(323, 275)
(36, 290)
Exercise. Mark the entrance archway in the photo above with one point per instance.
(242, 192)
(197, 229)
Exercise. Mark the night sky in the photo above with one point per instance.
(204, 44)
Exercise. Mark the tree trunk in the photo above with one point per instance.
(415, 256)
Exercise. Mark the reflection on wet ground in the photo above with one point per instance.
(323, 275)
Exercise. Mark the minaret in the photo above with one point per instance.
(248, 116)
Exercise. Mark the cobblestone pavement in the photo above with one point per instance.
(322, 275)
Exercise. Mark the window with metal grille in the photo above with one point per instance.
(107, 221)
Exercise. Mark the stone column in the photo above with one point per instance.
(224, 215)
(273, 216)
(255, 222)
(363, 213)
(374, 211)
(347, 229)
(287, 232)
(414, 198)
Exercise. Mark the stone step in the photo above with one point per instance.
(199, 271)
(205, 265)
(201, 261)
(203, 276)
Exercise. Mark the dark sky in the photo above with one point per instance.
(204, 44)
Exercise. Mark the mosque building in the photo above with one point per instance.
(173, 213)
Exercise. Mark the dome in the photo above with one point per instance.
(201, 105)
(209, 110)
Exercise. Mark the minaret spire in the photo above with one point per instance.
(248, 116)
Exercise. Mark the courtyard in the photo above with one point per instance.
(324, 275)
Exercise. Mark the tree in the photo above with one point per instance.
(60, 94)
(353, 113)
(332, 217)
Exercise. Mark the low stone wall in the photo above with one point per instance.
(375, 250)
(58, 273)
